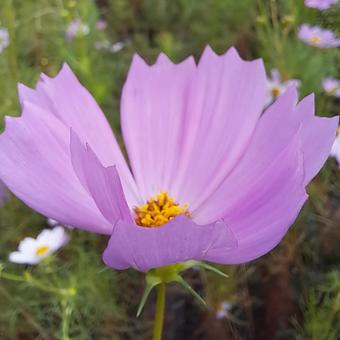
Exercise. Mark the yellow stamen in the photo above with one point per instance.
(159, 210)
(315, 40)
(276, 91)
(42, 250)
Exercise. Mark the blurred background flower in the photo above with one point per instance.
(33, 251)
(4, 38)
(76, 27)
(223, 310)
(331, 86)
(320, 4)
(276, 86)
(101, 25)
(336, 148)
(318, 37)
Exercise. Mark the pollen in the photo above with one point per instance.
(276, 91)
(315, 40)
(159, 210)
(42, 250)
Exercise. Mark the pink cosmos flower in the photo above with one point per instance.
(317, 37)
(320, 4)
(212, 176)
(331, 86)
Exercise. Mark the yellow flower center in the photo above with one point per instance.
(42, 250)
(159, 210)
(275, 91)
(315, 40)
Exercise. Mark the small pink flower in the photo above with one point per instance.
(276, 87)
(223, 310)
(320, 4)
(317, 37)
(101, 25)
(75, 28)
(331, 86)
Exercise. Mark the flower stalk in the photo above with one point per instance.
(160, 312)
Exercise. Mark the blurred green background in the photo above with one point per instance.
(291, 293)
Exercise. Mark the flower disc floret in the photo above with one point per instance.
(159, 210)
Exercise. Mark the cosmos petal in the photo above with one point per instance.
(36, 166)
(153, 119)
(226, 100)
(318, 134)
(276, 129)
(179, 240)
(102, 182)
(175, 116)
(66, 99)
(260, 216)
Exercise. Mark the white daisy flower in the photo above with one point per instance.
(276, 87)
(106, 45)
(32, 251)
(116, 47)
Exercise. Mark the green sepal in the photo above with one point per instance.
(191, 290)
(171, 273)
(207, 266)
(150, 284)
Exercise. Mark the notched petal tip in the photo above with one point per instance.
(291, 95)
(24, 92)
(163, 59)
(138, 60)
(44, 78)
(207, 53)
(66, 74)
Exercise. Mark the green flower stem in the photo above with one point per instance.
(160, 311)
(159, 277)
(27, 278)
(66, 316)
